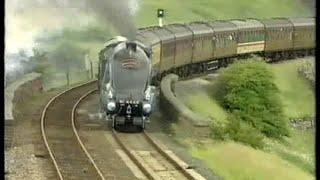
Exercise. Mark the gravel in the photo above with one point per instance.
(20, 163)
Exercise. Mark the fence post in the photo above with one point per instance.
(91, 69)
(68, 80)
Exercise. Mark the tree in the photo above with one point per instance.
(39, 60)
(66, 56)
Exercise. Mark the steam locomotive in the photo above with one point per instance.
(124, 82)
(125, 66)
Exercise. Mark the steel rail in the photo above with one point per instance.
(78, 137)
(43, 132)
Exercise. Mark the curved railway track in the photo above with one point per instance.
(68, 154)
(71, 158)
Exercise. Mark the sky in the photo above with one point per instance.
(24, 19)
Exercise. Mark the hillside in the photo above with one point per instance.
(294, 154)
(190, 10)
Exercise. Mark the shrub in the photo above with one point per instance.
(241, 131)
(246, 89)
(218, 131)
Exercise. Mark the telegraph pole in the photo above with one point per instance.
(88, 64)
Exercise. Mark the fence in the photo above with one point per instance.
(307, 71)
(303, 123)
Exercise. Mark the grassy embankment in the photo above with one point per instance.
(190, 10)
(295, 154)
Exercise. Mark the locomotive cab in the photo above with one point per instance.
(126, 92)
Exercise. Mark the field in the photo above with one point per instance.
(190, 10)
(295, 154)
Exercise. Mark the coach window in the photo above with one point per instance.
(217, 40)
(280, 34)
(243, 36)
(227, 39)
(221, 40)
(260, 35)
(247, 36)
(253, 35)
(167, 50)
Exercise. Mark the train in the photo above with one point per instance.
(199, 47)
(124, 82)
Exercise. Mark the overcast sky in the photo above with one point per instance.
(24, 19)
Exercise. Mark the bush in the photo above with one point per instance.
(218, 131)
(246, 89)
(241, 131)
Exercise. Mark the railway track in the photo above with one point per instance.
(152, 158)
(68, 154)
(71, 158)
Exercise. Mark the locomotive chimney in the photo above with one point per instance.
(131, 45)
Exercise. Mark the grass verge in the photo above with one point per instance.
(236, 161)
(295, 92)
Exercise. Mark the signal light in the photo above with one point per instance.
(160, 13)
